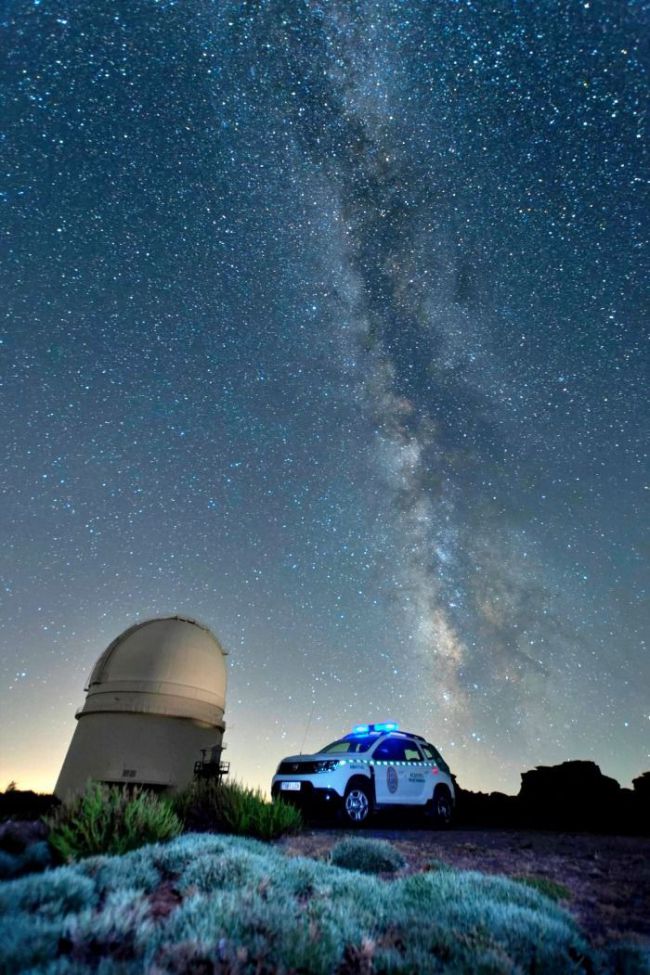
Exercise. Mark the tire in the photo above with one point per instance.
(357, 805)
(442, 808)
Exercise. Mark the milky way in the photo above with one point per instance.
(323, 323)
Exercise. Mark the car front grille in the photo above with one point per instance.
(299, 768)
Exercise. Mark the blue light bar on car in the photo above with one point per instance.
(363, 729)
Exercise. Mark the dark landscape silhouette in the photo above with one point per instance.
(574, 796)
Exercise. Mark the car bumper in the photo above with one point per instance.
(309, 798)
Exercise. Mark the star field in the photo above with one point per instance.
(323, 323)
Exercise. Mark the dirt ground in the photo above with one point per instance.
(608, 876)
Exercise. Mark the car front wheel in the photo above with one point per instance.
(356, 805)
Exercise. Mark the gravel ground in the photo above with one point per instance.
(608, 876)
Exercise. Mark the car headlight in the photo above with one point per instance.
(326, 766)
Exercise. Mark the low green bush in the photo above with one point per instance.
(234, 808)
(111, 819)
(550, 888)
(50, 895)
(239, 906)
(23, 848)
(9, 865)
(367, 856)
(136, 869)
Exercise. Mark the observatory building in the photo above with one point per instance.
(155, 703)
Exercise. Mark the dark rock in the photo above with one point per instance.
(573, 795)
(642, 787)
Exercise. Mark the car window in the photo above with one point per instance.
(397, 750)
(389, 750)
(412, 752)
(434, 755)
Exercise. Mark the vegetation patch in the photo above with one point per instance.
(367, 856)
(234, 808)
(23, 848)
(550, 888)
(223, 904)
(114, 820)
(110, 819)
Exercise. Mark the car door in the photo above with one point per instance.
(416, 773)
(396, 763)
(433, 766)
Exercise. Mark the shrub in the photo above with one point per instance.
(10, 864)
(49, 895)
(23, 848)
(367, 856)
(17, 835)
(235, 808)
(550, 888)
(239, 906)
(27, 941)
(110, 819)
(135, 869)
(35, 858)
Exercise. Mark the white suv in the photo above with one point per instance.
(376, 767)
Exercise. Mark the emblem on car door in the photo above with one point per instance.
(391, 778)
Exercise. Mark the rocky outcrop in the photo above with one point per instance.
(573, 796)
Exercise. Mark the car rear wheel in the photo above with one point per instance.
(356, 805)
(441, 809)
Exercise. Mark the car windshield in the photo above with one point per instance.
(353, 743)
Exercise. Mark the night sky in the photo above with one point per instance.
(323, 323)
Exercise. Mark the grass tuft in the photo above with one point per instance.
(110, 819)
(367, 856)
(234, 808)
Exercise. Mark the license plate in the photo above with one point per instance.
(290, 786)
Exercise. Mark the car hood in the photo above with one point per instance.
(318, 757)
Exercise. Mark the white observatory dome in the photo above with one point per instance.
(155, 703)
(170, 666)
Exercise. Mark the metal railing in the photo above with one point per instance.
(211, 770)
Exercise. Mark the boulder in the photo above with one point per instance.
(573, 795)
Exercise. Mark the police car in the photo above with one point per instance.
(375, 767)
